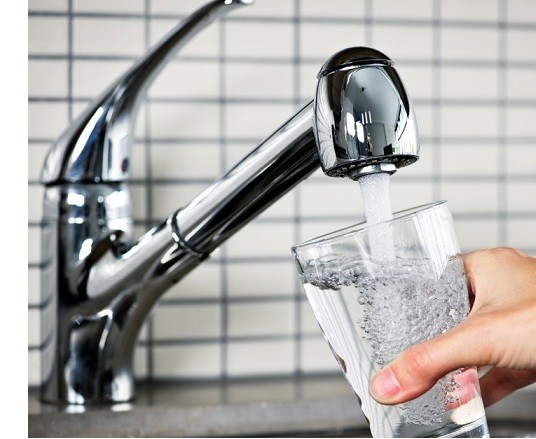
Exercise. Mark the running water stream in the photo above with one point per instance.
(376, 194)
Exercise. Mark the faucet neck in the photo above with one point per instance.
(102, 297)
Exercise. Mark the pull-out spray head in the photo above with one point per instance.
(364, 121)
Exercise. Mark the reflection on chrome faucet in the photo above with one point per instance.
(99, 286)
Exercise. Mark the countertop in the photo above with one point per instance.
(312, 406)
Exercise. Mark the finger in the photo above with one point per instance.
(499, 383)
(418, 368)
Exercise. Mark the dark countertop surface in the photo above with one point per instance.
(312, 406)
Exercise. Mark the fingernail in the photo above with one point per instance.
(384, 385)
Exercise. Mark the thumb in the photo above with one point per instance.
(418, 368)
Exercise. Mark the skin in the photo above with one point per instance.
(500, 333)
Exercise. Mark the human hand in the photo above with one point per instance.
(500, 331)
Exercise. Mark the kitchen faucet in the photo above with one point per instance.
(98, 285)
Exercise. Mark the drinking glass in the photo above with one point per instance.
(376, 290)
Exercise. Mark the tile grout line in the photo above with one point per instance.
(502, 142)
(298, 348)
(312, 19)
(70, 61)
(224, 304)
(148, 193)
(436, 97)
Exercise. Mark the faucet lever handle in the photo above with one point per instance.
(96, 147)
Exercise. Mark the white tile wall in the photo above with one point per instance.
(466, 122)
(187, 361)
(520, 122)
(407, 41)
(262, 279)
(171, 322)
(521, 161)
(520, 11)
(174, 7)
(205, 44)
(171, 161)
(246, 120)
(483, 197)
(104, 6)
(521, 233)
(273, 319)
(261, 239)
(519, 44)
(249, 40)
(202, 283)
(167, 198)
(520, 196)
(91, 77)
(92, 36)
(316, 39)
(458, 82)
(468, 66)
(465, 10)
(270, 81)
(351, 9)
(46, 119)
(47, 78)
(477, 234)
(261, 358)
(48, 35)
(487, 156)
(193, 80)
(403, 9)
(470, 43)
(50, 5)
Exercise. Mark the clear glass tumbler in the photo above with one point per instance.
(375, 291)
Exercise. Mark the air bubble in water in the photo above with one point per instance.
(394, 316)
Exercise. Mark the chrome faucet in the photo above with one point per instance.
(99, 286)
